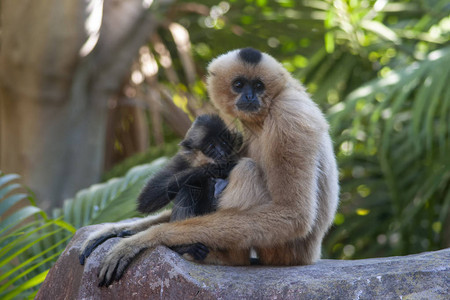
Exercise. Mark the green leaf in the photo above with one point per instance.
(10, 201)
(329, 42)
(4, 179)
(36, 280)
(32, 259)
(66, 226)
(381, 30)
(4, 191)
(110, 201)
(19, 216)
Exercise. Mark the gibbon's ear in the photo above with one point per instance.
(187, 144)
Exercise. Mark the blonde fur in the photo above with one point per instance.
(281, 198)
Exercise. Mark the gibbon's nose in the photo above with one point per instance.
(248, 101)
(248, 105)
(250, 97)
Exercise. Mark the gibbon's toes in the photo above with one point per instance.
(92, 244)
(199, 251)
(122, 266)
(107, 272)
(117, 261)
(180, 249)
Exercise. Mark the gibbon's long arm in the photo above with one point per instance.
(120, 230)
(154, 195)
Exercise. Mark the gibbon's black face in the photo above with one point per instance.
(210, 135)
(249, 91)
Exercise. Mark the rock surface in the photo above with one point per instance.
(161, 273)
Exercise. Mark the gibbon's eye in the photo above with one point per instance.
(238, 84)
(258, 85)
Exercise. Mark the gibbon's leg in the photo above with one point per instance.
(120, 230)
(225, 257)
(300, 251)
(245, 194)
(255, 194)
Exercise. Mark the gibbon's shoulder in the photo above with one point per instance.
(294, 108)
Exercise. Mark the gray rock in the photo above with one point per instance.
(161, 273)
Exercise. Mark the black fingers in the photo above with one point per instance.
(125, 233)
(94, 244)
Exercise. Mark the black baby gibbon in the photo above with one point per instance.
(192, 179)
(208, 153)
(195, 176)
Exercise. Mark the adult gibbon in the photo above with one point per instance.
(281, 197)
(193, 179)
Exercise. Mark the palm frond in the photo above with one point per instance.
(24, 258)
(402, 121)
(111, 201)
(30, 241)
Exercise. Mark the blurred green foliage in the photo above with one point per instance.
(119, 170)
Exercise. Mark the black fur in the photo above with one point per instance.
(192, 189)
(250, 55)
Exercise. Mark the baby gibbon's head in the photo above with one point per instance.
(210, 136)
(244, 82)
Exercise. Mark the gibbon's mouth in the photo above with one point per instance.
(251, 107)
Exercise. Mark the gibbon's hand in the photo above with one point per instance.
(97, 238)
(221, 170)
(117, 260)
(120, 230)
(219, 186)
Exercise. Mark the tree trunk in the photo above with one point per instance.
(60, 62)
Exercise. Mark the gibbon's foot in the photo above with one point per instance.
(97, 239)
(117, 260)
(198, 250)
